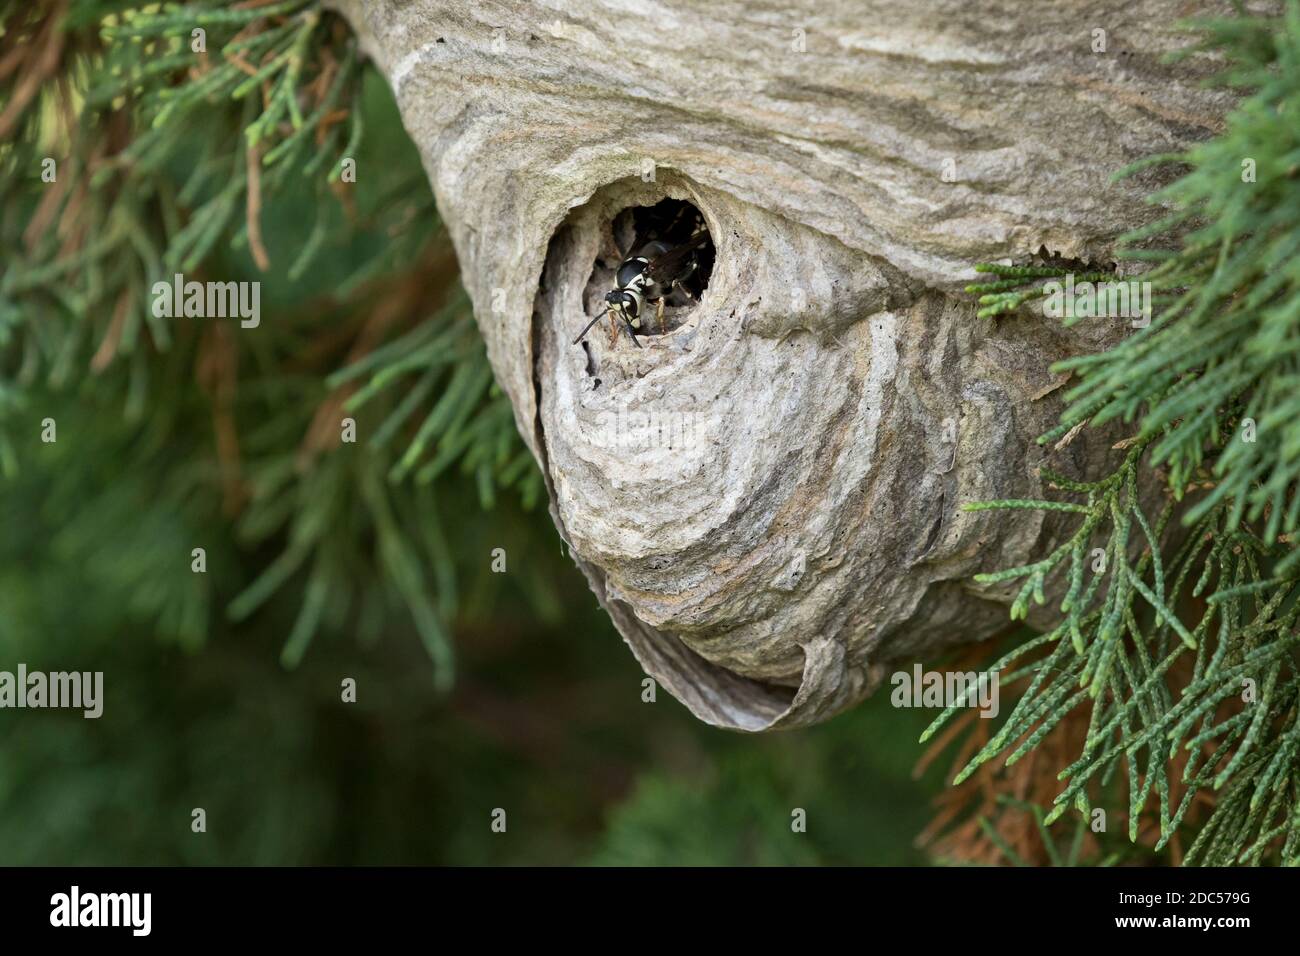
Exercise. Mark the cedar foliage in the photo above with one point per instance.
(167, 145)
(1178, 638)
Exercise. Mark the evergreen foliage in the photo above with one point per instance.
(222, 155)
(1180, 641)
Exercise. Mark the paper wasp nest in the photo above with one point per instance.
(766, 497)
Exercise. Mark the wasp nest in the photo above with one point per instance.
(765, 491)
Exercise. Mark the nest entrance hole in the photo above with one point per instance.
(671, 222)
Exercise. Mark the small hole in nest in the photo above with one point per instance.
(653, 267)
(1044, 257)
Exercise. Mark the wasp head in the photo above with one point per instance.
(626, 303)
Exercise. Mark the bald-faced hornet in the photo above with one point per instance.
(651, 274)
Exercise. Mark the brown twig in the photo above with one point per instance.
(254, 208)
(39, 64)
(113, 336)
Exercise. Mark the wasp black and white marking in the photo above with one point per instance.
(655, 272)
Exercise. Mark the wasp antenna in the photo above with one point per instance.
(587, 327)
(631, 331)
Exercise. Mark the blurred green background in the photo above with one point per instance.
(545, 718)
